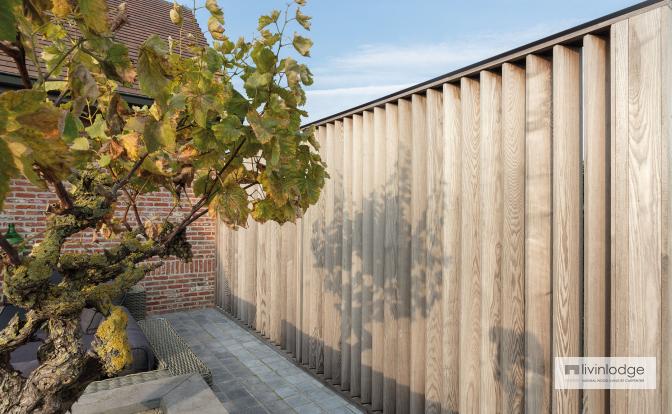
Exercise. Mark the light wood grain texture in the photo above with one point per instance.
(491, 227)
(452, 200)
(538, 204)
(405, 143)
(329, 292)
(262, 303)
(241, 244)
(666, 208)
(512, 337)
(418, 252)
(250, 276)
(277, 292)
(307, 275)
(470, 265)
(226, 262)
(596, 214)
(318, 271)
(368, 213)
(235, 293)
(391, 252)
(298, 283)
(346, 257)
(644, 199)
(356, 255)
(566, 214)
(455, 249)
(378, 268)
(336, 250)
(620, 306)
(288, 278)
(434, 253)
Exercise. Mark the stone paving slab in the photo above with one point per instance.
(248, 375)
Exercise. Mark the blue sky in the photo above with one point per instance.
(365, 49)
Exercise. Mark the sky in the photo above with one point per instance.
(365, 49)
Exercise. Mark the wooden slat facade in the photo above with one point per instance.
(474, 230)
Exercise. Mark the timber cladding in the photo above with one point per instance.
(475, 229)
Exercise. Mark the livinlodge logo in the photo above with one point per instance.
(605, 373)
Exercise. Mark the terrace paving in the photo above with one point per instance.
(249, 375)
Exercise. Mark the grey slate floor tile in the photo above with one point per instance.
(251, 376)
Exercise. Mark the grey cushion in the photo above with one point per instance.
(24, 358)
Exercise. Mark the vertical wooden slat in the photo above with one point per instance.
(276, 291)
(250, 276)
(298, 284)
(336, 235)
(620, 306)
(644, 200)
(513, 238)
(403, 262)
(596, 215)
(391, 252)
(235, 293)
(418, 251)
(538, 204)
(307, 275)
(346, 262)
(318, 271)
(666, 181)
(470, 285)
(329, 310)
(377, 304)
(288, 263)
(262, 250)
(357, 253)
(566, 214)
(241, 307)
(434, 252)
(226, 266)
(367, 254)
(491, 240)
(452, 201)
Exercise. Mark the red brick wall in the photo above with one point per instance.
(174, 286)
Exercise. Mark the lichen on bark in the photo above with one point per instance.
(87, 280)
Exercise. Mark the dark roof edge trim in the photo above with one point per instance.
(537, 46)
(9, 81)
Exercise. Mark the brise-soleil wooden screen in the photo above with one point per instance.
(472, 232)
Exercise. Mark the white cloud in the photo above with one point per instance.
(375, 70)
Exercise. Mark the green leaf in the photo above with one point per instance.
(228, 130)
(159, 134)
(94, 13)
(104, 160)
(97, 129)
(262, 126)
(302, 19)
(151, 66)
(302, 44)
(231, 204)
(7, 20)
(258, 80)
(80, 144)
(117, 65)
(268, 19)
(264, 58)
(71, 128)
(7, 170)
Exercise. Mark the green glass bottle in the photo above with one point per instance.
(12, 236)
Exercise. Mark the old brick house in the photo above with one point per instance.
(175, 285)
